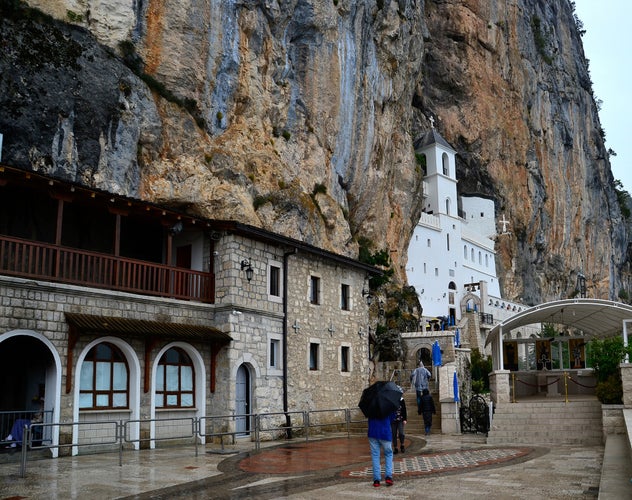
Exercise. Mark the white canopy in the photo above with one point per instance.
(594, 317)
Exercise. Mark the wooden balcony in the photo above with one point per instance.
(29, 259)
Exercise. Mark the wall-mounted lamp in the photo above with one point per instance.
(245, 264)
(367, 296)
(176, 228)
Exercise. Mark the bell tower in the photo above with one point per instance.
(440, 176)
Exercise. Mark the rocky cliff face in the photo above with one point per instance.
(299, 116)
(510, 86)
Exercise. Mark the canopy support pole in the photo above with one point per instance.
(501, 363)
(625, 337)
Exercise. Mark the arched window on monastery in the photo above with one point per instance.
(104, 378)
(452, 290)
(446, 164)
(447, 242)
(472, 255)
(465, 252)
(447, 206)
(486, 260)
(175, 380)
(480, 259)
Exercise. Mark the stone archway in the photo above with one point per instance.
(30, 380)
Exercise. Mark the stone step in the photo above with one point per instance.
(415, 423)
(548, 423)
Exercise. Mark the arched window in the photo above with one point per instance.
(175, 380)
(447, 242)
(446, 164)
(447, 206)
(465, 252)
(104, 379)
(480, 258)
(486, 260)
(472, 255)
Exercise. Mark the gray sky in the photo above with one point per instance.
(607, 46)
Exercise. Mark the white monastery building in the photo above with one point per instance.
(452, 252)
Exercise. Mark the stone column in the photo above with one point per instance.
(450, 423)
(626, 380)
(499, 386)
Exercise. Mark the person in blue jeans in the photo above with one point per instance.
(380, 437)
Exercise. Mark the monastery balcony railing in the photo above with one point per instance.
(429, 220)
(29, 259)
(487, 319)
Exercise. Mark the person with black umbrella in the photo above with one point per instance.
(379, 403)
(380, 437)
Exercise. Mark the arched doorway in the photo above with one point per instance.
(424, 354)
(29, 382)
(243, 400)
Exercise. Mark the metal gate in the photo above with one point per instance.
(475, 416)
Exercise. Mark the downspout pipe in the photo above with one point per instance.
(288, 419)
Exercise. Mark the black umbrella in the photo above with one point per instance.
(380, 399)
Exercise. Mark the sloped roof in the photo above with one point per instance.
(594, 317)
(89, 323)
(432, 137)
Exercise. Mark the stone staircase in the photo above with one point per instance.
(415, 425)
(547, 423)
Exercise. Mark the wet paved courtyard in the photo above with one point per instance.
(449, 467)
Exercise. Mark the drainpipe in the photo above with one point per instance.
(288, 419)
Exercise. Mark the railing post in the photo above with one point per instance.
(257, 435)
(196, 433)
(565, 387)
(26, 442)
(120, 430)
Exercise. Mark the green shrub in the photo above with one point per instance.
(610, 391)
(605, 356)
(73, 17)
(480, 368)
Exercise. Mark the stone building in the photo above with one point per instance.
(112, 309)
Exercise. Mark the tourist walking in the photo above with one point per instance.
(419, 380)
(380, 436)
(397, 426)
(427, 409)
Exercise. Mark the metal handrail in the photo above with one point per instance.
(120, 433)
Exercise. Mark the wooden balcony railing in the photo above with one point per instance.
(31, 259)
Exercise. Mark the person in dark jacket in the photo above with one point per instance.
(397, 426)
(380, 436)
(427, 409)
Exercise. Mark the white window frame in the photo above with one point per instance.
(276, 339)
(279, 265)
(349, 294)
(349, 359)
(319, 294)
(319, 368)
